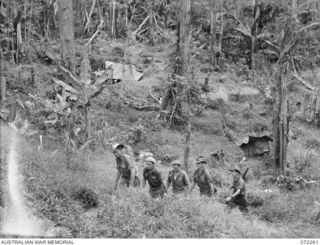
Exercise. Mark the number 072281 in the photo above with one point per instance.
(309, 242)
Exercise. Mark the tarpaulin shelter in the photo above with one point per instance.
(253, 145)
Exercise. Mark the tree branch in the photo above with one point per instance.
(140, 26)
(304, 82)
(88, 21)
(96, 33)
(307, 27)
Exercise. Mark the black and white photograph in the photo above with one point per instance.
(159, 119)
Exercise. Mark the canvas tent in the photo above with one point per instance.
(253, 146)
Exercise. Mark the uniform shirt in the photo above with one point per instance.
(124, 165)
(154, 178)
(239, 185)
(203, 179)
(178, 180)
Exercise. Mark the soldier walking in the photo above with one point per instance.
(179, 179)
(238, 197)
(125, 167)
(154, 178)
(202, 178)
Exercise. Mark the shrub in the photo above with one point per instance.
(87, 197)
(302, 162)
(268, 180)
(255, 199)
(137, 134)
(315, 213)
(312, 143)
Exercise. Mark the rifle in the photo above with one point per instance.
(244, 174)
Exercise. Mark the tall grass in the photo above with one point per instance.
(126, 213)
(132, 214)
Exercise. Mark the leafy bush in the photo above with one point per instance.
(315, 214)
(302, 162)
(313, 143)
(87, 198)
(255, 199)
(268, 180)
(137, 134)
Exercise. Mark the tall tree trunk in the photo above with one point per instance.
(85, 79)
(19, 41)
(151, 23)
(221, 31)
(67, 34)
(213, 53)
(281, 123)
(3, 88)
(252, 58)
(3, 82)
(187, 148)
(253, 40)
(184, 35)
(294, 9)
(127, 13)
(113, 18)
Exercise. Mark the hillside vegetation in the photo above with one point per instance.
(68, 180)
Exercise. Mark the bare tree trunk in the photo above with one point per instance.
(113, 19)
(238, 6)
(184, 34)
(19, 41)
(3, 88)
(252, 58)
(85, 78)
(294, 9)
(67, 34)
(253, 40)
(221, 30)
(213, 54)
(3, 82)
(89, 17)
(151, 23)
(25, 14)
(126, 3)
(29, 23)
(280, 126)
(187, 148)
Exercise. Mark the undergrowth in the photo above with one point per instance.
(132, 214)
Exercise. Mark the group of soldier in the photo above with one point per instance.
(177, 178)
